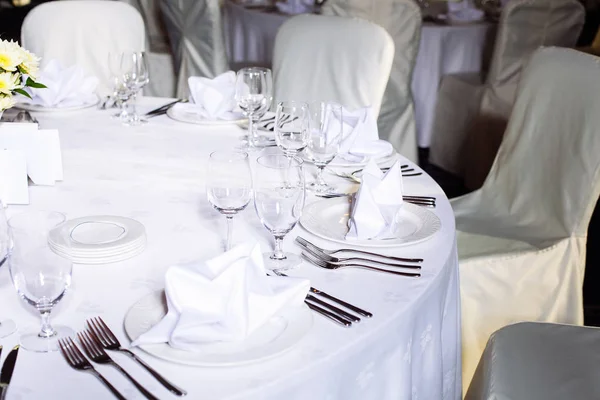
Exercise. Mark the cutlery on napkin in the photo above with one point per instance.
(212, 99)
(376, 205)
(222, 299)
(360, 137)
(65, 87)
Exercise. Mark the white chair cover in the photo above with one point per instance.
(328, 58)
(402, 20)
(537, 361)
(197, 42)
(83, 33)
(465, 106)
(522, 236)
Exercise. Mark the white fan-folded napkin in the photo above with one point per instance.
(295, 6)
(360, 137)
(213, 99)
(65, 87)
(224, 299)
(376, 205)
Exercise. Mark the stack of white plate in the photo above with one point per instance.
(99, 239)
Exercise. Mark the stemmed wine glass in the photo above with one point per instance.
(279, 195)
(325, 133)
(7, 326)
(40, 276)
(135, 77)
(254, 94)
(291, 127)
(120, 91)
(229, 185)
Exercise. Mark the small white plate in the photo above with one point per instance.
(39, 108)
(192, 118)
(329, 219)
(277, 336)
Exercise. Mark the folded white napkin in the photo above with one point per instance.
(212, 99)
(360, 140)
(376, 205)
(66, 87)
(295, 6)
(224, 299)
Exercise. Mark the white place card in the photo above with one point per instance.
(13, 177)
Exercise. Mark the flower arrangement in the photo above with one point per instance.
(18, 69)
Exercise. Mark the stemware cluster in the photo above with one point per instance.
(129, 75)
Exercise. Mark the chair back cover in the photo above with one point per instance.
(156, 33)
(195, 30)
(83, 33)
(402, 20)
(329, 58)
(526, 25)
(545, 180)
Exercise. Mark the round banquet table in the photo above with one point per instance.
(443, 49)
(409, 349)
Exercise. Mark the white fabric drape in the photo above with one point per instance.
(402, 20)
(197, 41)
(538, 361)
(328, 58)
(467, 108)
(522, 236)
(83, 33)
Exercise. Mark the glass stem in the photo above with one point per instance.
(251, 130)
(278, 253)
(47, 330)
(254, 130)
(229, 232)
(319, 179)
(134, 116)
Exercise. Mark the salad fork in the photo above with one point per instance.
(107, 339)
(306, 243)
(97, 354)
(327, 265)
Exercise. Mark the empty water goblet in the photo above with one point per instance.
(325, 133)
(279, 195)
(291, 127)
(40, 275)
(253, 94)
(7, 326)
(229, 185)
(135, 77)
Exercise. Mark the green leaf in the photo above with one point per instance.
(31, 83)
(23, 92)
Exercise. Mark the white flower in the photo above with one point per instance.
(11, 55)
(6, 102)
(9, 82)
(30, 64)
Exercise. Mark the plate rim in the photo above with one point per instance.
(170, 114)
(37, 108)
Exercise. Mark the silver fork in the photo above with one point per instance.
(105, 337)
(343, 261)
(305, 242)
(77, 361)
(326, 265)
(97, 354)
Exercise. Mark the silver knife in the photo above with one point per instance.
(7, 371)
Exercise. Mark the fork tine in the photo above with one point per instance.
(66, 353)
(84, 344)
(94, 336)
(95, 343)
(77, 355)
(107, 330)
(98, 332)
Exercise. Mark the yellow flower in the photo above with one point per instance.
(8, 82)
(30, 64)
(11, 55)
(6, 102)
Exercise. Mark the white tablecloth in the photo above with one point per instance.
(444, 49)
(410, 349)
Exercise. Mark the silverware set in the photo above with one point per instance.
(163, 109)
(380, 263)
(344, 316)
(425, 201)
(353, 176)
(95, 340)
(7, 370)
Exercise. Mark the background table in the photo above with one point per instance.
(444, 49)
(410, 349)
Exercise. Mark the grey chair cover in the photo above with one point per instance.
(402, 20)
(195, 31)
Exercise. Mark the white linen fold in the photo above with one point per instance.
(65, 87)
(212, 99)
(224, 299)
(376, 205)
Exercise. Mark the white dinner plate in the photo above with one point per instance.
(180, 115)
(95, 260)
(277, 336)
(110, 251)
(39, 108)
(328, 219)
